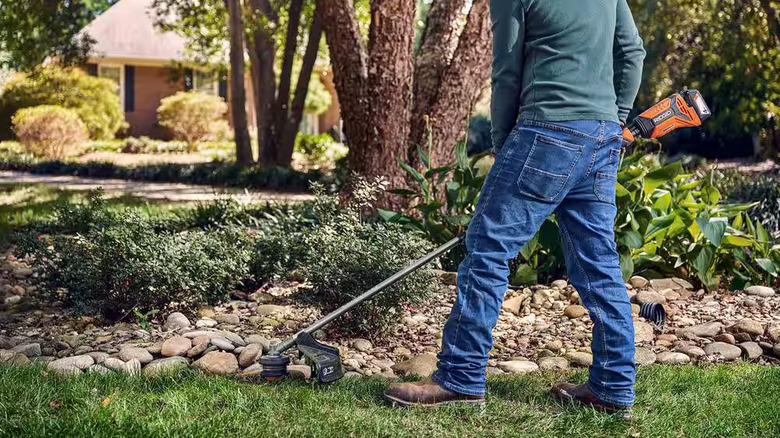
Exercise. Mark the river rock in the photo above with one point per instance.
(176, 346)
(98, 369)
(270, 309)
(68, 366)
(553, 363)
(222, 343)
(560, 284)
(513, 305)
(748, 326)
(29, 350)
(643, 332)
(649, 296)
(722, 349)
(175, 321)
(672, 358)
(575, 311)
(250, 355)
(751, 350)
(423, 365)
(217, 363)
(517, 366)
(580, 358)
(644, 356)
(362, 345)
(301, 372)
(165, 365)
(706, 330)
(638, 282)
(228, 318)
(690, 350)
(129, 353)
(725, 337)
(760, 291)
(98, 356)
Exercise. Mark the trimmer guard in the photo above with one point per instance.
(324, 360)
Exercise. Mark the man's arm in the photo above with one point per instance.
(508, 20)
(628, 55)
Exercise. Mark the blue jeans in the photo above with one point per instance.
(566, 168)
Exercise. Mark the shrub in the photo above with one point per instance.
(192, 117)
(131, 267)
(320, 149)
(49, 131)
(764, 189)
(94, 99)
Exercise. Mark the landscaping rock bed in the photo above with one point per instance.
(543, 327)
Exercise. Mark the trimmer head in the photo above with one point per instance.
(324, 360)
(274, 367)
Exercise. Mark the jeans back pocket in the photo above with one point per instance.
(548, 167)
(605, 184)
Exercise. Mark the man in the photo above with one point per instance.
(570, 69)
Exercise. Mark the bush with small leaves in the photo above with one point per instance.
(193, 117)
(49, 131)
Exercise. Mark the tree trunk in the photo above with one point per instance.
(282, 106)
(461, 84)
(437, 45)
(293, 121)
(263, 55)
(237, 86)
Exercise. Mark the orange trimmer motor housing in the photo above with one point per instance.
(685, 109)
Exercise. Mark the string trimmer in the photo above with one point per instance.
(683, 109)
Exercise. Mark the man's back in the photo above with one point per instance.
(560, 60)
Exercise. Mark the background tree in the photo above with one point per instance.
(237, 91)
(385, 90)
(32, 30)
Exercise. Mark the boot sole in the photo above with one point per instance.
(397, 402)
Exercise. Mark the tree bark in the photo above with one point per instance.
(293, 121)
(263, 57)
(461, 84)
(282, 106)
(438, 42)
(237, 86)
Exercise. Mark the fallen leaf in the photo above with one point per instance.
(55, 403)
(106, 401)
(44, 373)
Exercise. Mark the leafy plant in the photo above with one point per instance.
(143, 318)
(49, 131)
(320, 149)
(764, 189)
(192, 116)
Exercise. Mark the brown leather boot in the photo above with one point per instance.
(569, 392)
(426, 393)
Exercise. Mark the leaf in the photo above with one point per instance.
(626, 266)
(403, 192)
(713, 229)
(663, 202)
(423, 156)
(632, 239)
(737, 222)
(414, 173)
(55, 403)
(388, 216)
(105, 402)
(524, 275)
(462, 156)
(621, 191)
(735, 240)
(767, 265)
(761, 234)
(661, 176)
(702, 263)
(429, 207)
(659, 226)
(710, 194)
(461, 220)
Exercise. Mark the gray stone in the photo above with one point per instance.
(259, 339)
(68, 366)
(362, 345)
(270, 309)
(98, 369)
(250, 355)
(13, 299)
(98, 356)
(165, 365)
(760, 291)
(115, 364)
(19, 359)
(217, 363)
(175, 346)
(643, 332)
(300, 372)
(575, 311)
(517, 366)
(638, 282)
(649, 296)
(423, 365)
(749, 326)
(725, 337)
(723, 350)
(513, 305)
(644, 356)
(222, 343)
(198, 333)
(133, 367)
(175, 321)
(664, 283)
(198, 349)
(560, 284)
(776, 350)
(129, 353)
(29, 350)
(773, 332)
(205, 323)
(751, 350)
(691, 350)
(672, 358)
(553, 363)
(228, 318)
(580, 358)
(6, 355)
(706, 330)
(233, 338)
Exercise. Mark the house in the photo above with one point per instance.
(149, 64)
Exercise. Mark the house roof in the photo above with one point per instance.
(127, 30)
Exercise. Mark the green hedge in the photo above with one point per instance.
(214, 173)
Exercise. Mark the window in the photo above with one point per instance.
(205, 82)
(116, 74)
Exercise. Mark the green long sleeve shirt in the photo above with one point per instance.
(559, 60)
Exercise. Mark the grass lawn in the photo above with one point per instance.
(21, 203)
(728, 401)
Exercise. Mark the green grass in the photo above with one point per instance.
(22, 203)
(728, 401)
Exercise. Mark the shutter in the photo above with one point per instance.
(129, 88)
(223, 88)
(92, 69)
(188, 81)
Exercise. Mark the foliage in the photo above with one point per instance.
(192, 117)
(723, 48)
(213, 173)
(49, 131)
(128, 266)
(146, 145)
(320, 149)
(33, 30)
(764, 189)
(668, 223)
(94, 99)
